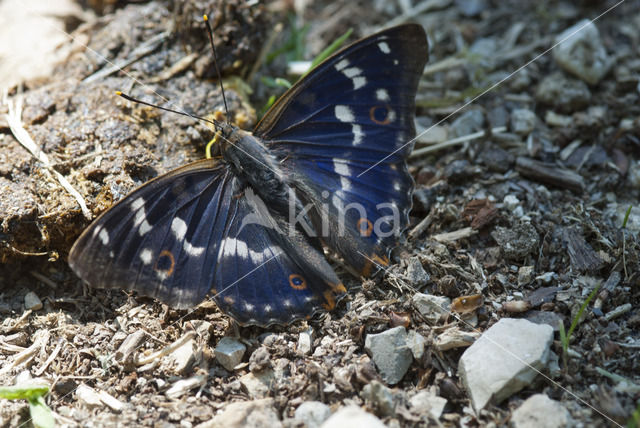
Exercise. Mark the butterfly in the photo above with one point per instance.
(325, 167)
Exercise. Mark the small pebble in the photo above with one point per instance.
(32, 301)
(523, 121)
(229, 352)
(312, 413)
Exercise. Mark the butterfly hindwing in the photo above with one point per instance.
(268, 274)
(344, 132)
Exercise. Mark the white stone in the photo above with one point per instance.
(305, 342)
(431, 307)
(312, 413)
(505, 359)
(582, 53)
(415, 342)
(352, 417)
(32, 301)
(540, 411)
(425, 401)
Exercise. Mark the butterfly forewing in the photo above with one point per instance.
(344, 132)
(158, 239)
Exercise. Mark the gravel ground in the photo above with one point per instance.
(527, 171)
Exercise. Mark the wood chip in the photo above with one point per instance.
(550, 174)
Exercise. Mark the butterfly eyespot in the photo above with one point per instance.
(165, 263)
(364, 227)
(297, 281)
(381, 115)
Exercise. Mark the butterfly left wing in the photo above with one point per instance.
(199, 228)
(354, 111)
(162, 239)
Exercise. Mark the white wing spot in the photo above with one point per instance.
(359, 82)
(191, 250)
(384, 47)
(104, 236)
(354, 73)
(395, 62)
(146, 256)
(397, 186)
(179, 228)
(344, 114)
(357, 134)
(140, 220)
(268, 308)
(342, 64)
(287, 303)
(382, 95)
(231, 246)
(138, 203)
(249, 307)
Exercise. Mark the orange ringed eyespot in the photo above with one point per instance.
(377, 110)
(365, 227)
(297, 282)
(162, 260)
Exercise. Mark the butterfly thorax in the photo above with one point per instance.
(253, 162)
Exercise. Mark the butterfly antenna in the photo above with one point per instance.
(214, 122)
(215, 62)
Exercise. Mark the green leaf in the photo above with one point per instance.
(329, 50)
(626, 216)
(25, 391)
(41, 414)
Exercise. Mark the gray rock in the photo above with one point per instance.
(427, 402)
(352, 417)
(390, 353)
(518, 242)
(415, 342)
(471, 8)
(380, 397)
(229, 352)
(32, 301)
(564, 94)
(522, 121)
(504, 360)
(525, 275)
(259, 383)
(582, 53)
(431, 307)
(416, 275)
(468, 122)
(246, 414)
(312, 413)
(496, 159)
(540, 411)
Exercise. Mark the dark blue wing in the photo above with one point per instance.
(162, 239)
(353, 112)
(198, 229)
(268, 273)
